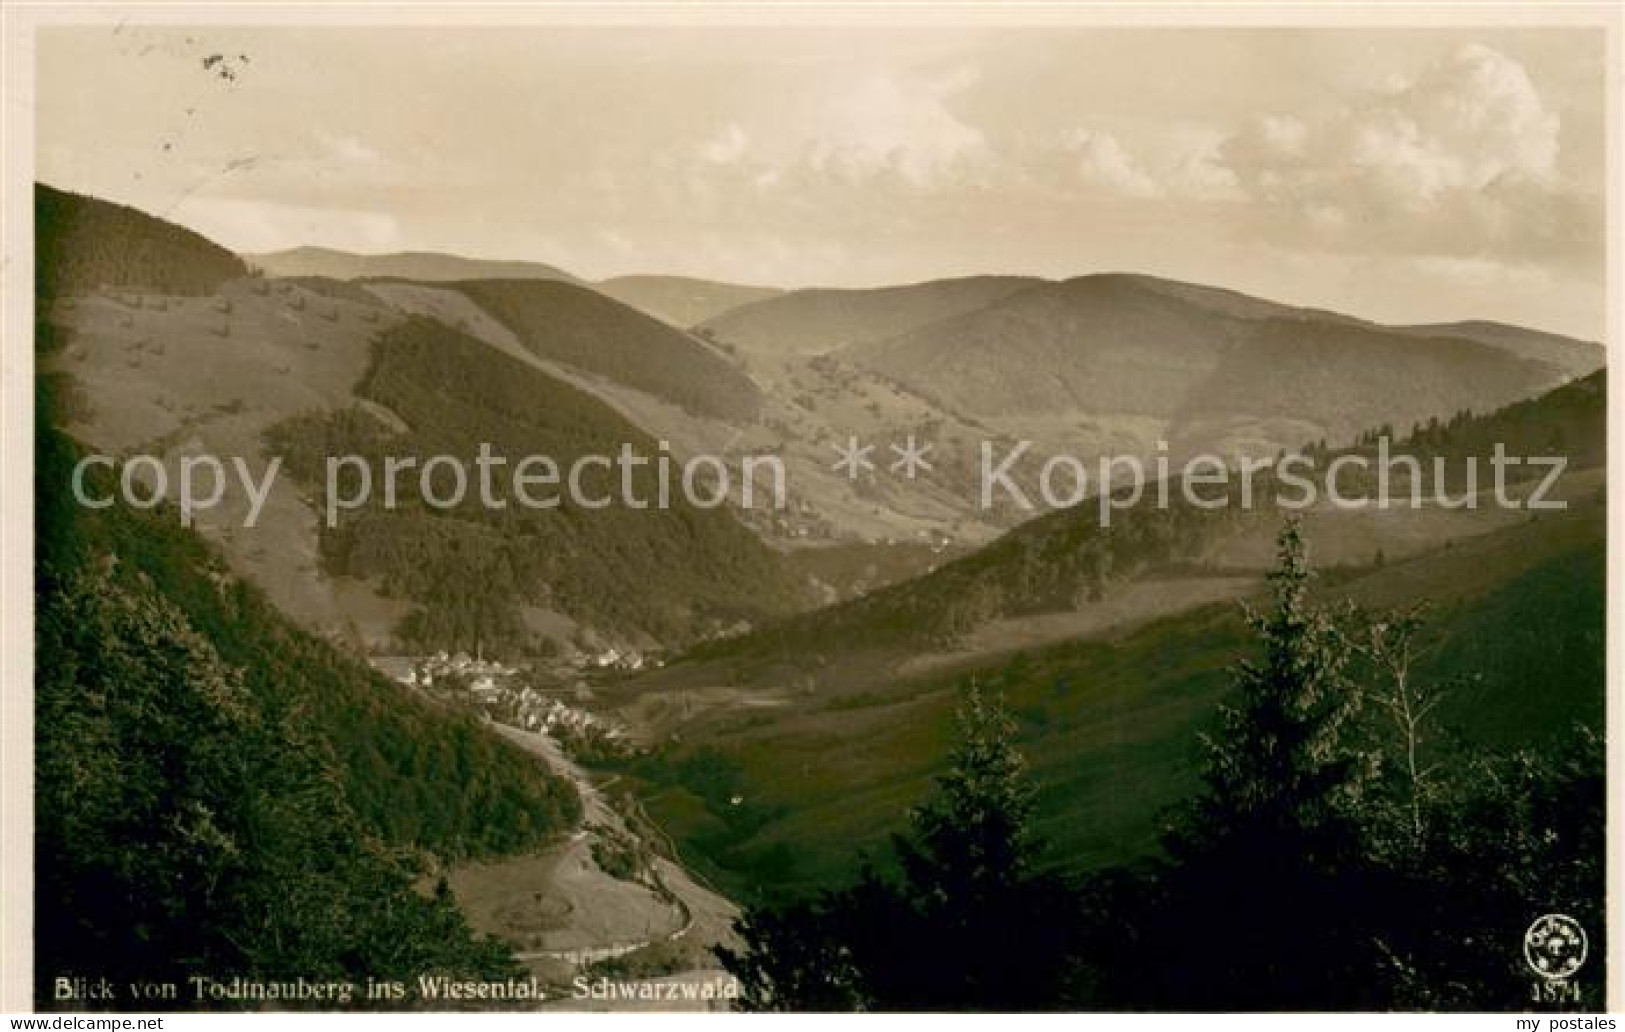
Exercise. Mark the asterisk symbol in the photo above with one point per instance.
(911, 457)
(854, 458)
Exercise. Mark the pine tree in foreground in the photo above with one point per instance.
(970, 922)
(1281, 762)
(1264, 876)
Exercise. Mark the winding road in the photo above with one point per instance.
(703, 917)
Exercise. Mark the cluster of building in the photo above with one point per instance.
(534, 710)
(502, 694)
(477, 675)
(616, 659)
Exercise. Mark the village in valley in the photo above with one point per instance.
(541, 698)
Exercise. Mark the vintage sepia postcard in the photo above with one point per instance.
(809, 507)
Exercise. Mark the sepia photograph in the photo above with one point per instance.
(836, 508)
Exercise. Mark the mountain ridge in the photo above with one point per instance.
(842, 316)
(1215, 365)
(683, 301)
(427, 266)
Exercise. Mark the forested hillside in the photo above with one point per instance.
(1293, 792)
(1065, 559)
(83, 244)
(595, 334)
(1577, 357)
(675, 574)
(1215, 365)
(1279, 368)
(817, 320)
(1514, 637)
(1570, 421)
(218, 791)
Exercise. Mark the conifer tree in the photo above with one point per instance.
(972, 923)
(1259, 901)
(973, 840)
(1280, 760)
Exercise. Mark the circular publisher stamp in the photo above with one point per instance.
(1555, 946)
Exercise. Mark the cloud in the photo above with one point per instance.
(1101, 161)
(1461, 159)
(1194, 167)
(862, 126)
(727, 146)
(875, 146)
(884, 124)
(1479, 119)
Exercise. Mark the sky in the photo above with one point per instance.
(1402, 175)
